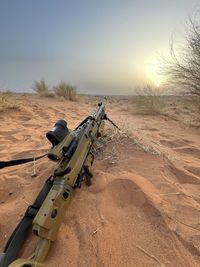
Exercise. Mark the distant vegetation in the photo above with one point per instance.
(148, 100)
(63, 89)
(42, 89)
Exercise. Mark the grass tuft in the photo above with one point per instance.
(66, 91)
(7, 103)
(42, 89)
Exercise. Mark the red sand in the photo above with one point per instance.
(142, 209)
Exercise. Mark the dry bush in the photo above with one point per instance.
(42, 89)
(148, 100)
(6, 103)
(111, 137)
(126, 136)
(7, 92)
(182, 69)
(49, 94)
(65, 90)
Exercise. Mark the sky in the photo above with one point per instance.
(102, 47)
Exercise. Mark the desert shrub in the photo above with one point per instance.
(7, 92)
(182, 69)
(6, 103)
(148, 100)
(48, 94)
(65, 90)
(42, 89)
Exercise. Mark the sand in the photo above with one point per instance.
(143, 208)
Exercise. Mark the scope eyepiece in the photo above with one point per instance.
(58, 133)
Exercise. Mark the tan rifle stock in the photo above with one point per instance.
(68, 176)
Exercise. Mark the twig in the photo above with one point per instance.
(150, 255)
(95, 231)
(168, 194)
(190, 226)
(94, 248)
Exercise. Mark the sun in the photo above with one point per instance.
(153, 73)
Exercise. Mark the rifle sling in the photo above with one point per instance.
(10, 163)
(18, 236)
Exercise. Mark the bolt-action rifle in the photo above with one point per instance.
(73, 150)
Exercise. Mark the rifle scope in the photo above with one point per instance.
(58, 132)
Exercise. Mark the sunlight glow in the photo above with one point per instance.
(153, 75)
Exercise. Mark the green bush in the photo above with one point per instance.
(65, 90)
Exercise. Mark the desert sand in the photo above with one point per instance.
(143, 208)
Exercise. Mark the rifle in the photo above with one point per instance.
(74, 152)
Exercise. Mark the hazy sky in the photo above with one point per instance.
(104, 46)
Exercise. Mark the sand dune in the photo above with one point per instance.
(143, 208)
